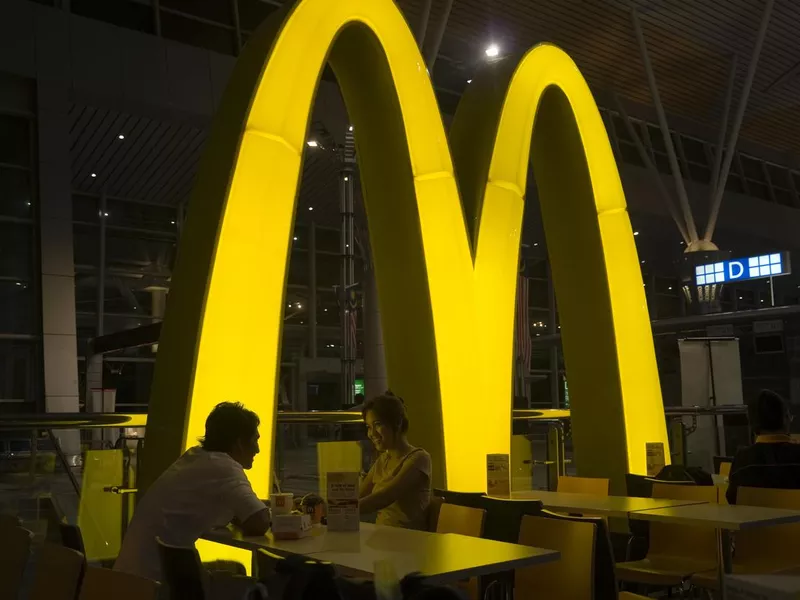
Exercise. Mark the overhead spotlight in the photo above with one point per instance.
(310, 208)
(94, 175)
(172, 222)
(635, 233)
(350, 128)
(121, 136)
(669, 288)
(492, 50)
(346, 178)
(295, 238)
(535, 244)
(469, 80)
(642, 262)
(313, 143)
(300, 306)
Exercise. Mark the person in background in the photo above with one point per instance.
(398, 486)
(205, 488)
(773, 461)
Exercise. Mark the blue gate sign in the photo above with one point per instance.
(742, 269)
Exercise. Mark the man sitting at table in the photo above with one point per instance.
(773, 461)
(205, 488)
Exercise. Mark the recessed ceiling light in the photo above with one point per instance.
(535, 244)
(172, 222)
(635, 233)
(295, 238)
(642, 262)
(350, 128)
(492, 50)
(121, 136)
(312, 143)
(310, 208)
(469, 80)
(94, 175)
(346, 178)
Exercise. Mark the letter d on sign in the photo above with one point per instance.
(735, 269)
(446, 272)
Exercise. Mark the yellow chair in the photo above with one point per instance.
(102, 584)
(464, 520)
(676, 552)
(725, 468)
(58, 573)
(14, 554)
(768, 550)
(583, 485)
(336, 457)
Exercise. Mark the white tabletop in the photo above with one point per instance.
(721, 516)
(610, 506)
(440, 558)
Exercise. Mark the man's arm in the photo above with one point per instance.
(257, 524)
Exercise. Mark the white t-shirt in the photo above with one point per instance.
(200, 491)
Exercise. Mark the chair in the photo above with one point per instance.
(59, 571)
(676, 552)
(14, 554)
(767, 550)
(569, 578)
(461, 519)
(182, 570)
(722, 465)
(72, 537)
(583, 485)
(102, 584)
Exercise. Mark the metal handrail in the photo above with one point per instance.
(101, 420)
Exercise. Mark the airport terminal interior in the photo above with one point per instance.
(559, 235)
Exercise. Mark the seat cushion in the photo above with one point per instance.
(666, 571)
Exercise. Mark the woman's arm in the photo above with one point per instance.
(411, 476)
(366, 484)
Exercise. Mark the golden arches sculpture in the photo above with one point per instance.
(446, 271)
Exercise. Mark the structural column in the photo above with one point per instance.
(375, 380)
(312, 290)
(55, 213)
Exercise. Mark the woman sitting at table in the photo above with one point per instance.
(398, 486)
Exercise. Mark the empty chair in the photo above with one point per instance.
(767, 550)
(583, 485)
(59, 571)
(461, 519)
(676, 552)
(72, 537)
(183, 570)
(102, 584)
(15, 551)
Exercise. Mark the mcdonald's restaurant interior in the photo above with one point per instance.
(505, 287)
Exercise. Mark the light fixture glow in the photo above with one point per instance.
(121, 136)
(492, 50)
(310, 208)
(94, 175)
(313, 143)
(350, 128)
(635, 233)
(469, 80)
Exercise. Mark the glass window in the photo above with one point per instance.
(142, 216)
(15, 193)
(694, 150)
(198, 34)
(16, 306)
(19, 366)
(753, 169)
(15, 140)
(218, 11)
(16, 251)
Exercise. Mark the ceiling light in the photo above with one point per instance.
(312, 143)
(295, 238)
(94, 175)
(172, 222)
(121, 136)
(669, 288)
(350, 128)
(492, 50)
(346, 178)
(740, 297)
(535, 244)
(635, 233)
(469, 80)
(310, 208)
(642, 262)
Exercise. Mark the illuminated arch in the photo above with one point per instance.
(448, 321)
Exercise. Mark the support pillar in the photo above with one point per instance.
(552, 329)
(59, 341)
(347, 302)
(375, 379)
(312, 290)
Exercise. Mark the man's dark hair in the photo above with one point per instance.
(768, 413)
(228, 423)
(390, 410)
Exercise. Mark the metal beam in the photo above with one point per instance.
(737, 121)
(430, 59)
(648, 162)
(662, 122)
(723, 126)
(424, 18)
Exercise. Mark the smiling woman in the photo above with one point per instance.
(398, 486)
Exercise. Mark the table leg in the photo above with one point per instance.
(724, 561)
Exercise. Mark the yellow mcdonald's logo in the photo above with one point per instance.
(445, 234)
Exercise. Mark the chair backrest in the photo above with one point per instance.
(14, 554)
(182, 570)
(638, 486)
(683, 540)
(461, 519)
(102, 584)
(434, 507)
(584, 485)
(722, 465)
(569, 578)
(59, 571)
(770, 545)
(72, 537)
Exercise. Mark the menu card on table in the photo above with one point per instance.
(498, 482)
(655, 458)
(343, 512)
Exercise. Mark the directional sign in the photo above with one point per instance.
(741, 269)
